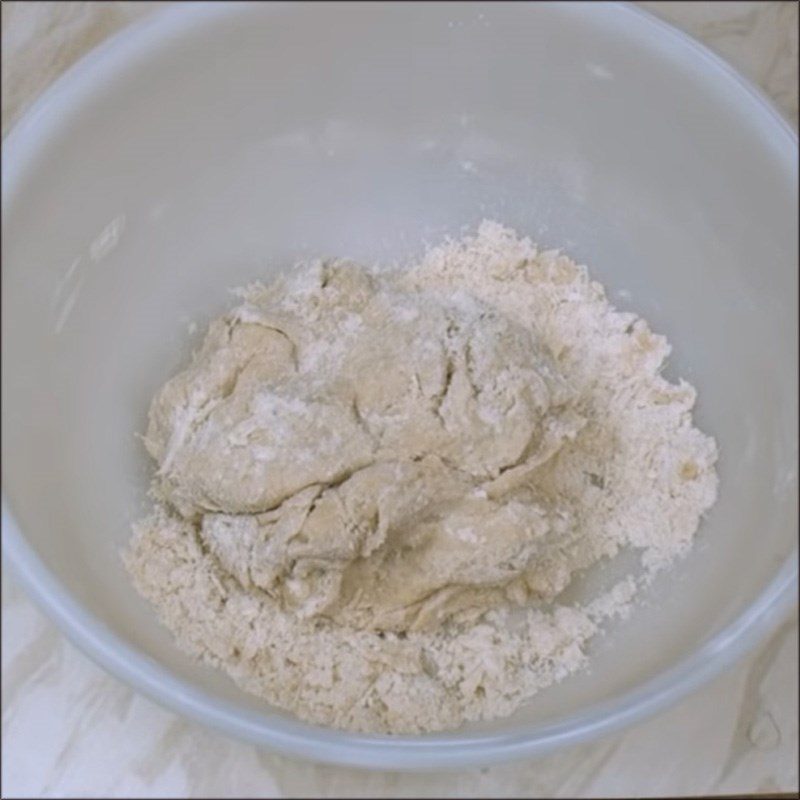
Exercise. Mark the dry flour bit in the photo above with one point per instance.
(374, 487)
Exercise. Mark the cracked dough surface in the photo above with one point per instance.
(363, 451)
(373, 469)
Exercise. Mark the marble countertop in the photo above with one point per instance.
(71, 730)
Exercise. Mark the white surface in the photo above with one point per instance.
(761, 731)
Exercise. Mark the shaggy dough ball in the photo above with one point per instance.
(367, 452)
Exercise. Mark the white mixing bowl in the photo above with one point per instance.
(213, 144)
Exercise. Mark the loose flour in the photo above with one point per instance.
(374, 487)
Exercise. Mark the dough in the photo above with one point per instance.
(367, 451)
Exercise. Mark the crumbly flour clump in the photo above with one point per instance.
(374, 488)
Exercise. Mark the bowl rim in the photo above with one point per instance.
(293, 737)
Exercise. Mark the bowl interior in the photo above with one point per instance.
(222, 149)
